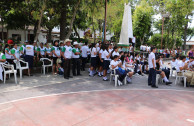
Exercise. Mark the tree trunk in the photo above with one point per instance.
(7, 33)
(39, 22)
(63, 23)
(72, 20)
(185, 33)
(2, 34)
(174, 40)
(35, 30)
(49, 35)
(75, 29)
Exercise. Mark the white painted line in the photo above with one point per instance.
(68, 93)
(189, 120)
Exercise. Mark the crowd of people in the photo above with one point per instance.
(103, 58)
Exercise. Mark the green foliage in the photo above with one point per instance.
(142, 20)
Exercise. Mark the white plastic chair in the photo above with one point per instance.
(9, 71)
(44, 66)
(158, 79)
(21, 68)
(113, 74)
(178, 78)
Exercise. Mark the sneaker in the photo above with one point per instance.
(128, 80)
(91, 75)
(168, 83)
(105, 79)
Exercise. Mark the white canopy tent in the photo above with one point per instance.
(127, 29)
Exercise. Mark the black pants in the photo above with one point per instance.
(152, 77)
(67, 67)
(167, 72)
(84, 60)
(76, 66)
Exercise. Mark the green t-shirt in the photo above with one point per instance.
(38, 49)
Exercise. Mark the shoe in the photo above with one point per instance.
(168, 83)
(91, 75)
(74, 75)
(105, 79)
(149, 84)
(154, 86)
(66, 78)
(79, 75)
(70, 77)
(99, 75)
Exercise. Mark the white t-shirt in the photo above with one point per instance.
(133, 39)
(30, 50)
(173, 64)
(130, 49)
(114, 63)
(151, 56)
(84, 50)
(101, 52)
(115, 53)
(110, 50)
(106, 53)
(94, 50)
(68, 52)
(179, 64)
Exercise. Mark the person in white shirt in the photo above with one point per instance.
(133, 41)
(29, 57)
(67, 55)
(152, 68)
(115, 51)
(173, 63)
(84, 52)
(76, 59)
(115, 64)
(181, 67)
(93, 59)
(101, 56)
(106, 63)
(48, 51)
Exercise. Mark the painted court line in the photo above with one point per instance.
(189, 120)
(67, 93)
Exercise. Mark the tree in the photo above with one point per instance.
(142, 20)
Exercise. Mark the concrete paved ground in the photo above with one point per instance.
(51, 100)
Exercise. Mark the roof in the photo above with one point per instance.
(190, 43)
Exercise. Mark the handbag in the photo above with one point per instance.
(59, 61)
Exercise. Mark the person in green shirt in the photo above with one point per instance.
(15, 52)
(2, 58)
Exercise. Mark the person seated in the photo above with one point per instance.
(145, 68)
(115, 64)
(162, 73)
(129, 68)
(60, 69)
(142, 59)
(163, 67)
(182, 66)
(173, 63)
(139, 68)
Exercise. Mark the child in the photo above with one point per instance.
(60, 69)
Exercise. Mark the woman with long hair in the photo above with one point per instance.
(106, 63)
(101, 56)
(93, 59)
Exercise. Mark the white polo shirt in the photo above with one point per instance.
(30, 50)
(68, 52)
(115, 53)
(151, 56)
(114, 63)
(106, 53)
(180, 64)
(84, 50)
(94, 50)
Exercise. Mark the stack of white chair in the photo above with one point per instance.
(21, 68)
(44, 66)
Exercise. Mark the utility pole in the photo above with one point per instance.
(105, 21)
(162, 31)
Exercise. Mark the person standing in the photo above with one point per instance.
(67, 54)
(133, 41)
(56, 54)
(76, 59)
(84, 54)
(152, 68)
(30, 56)
(23, 49)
